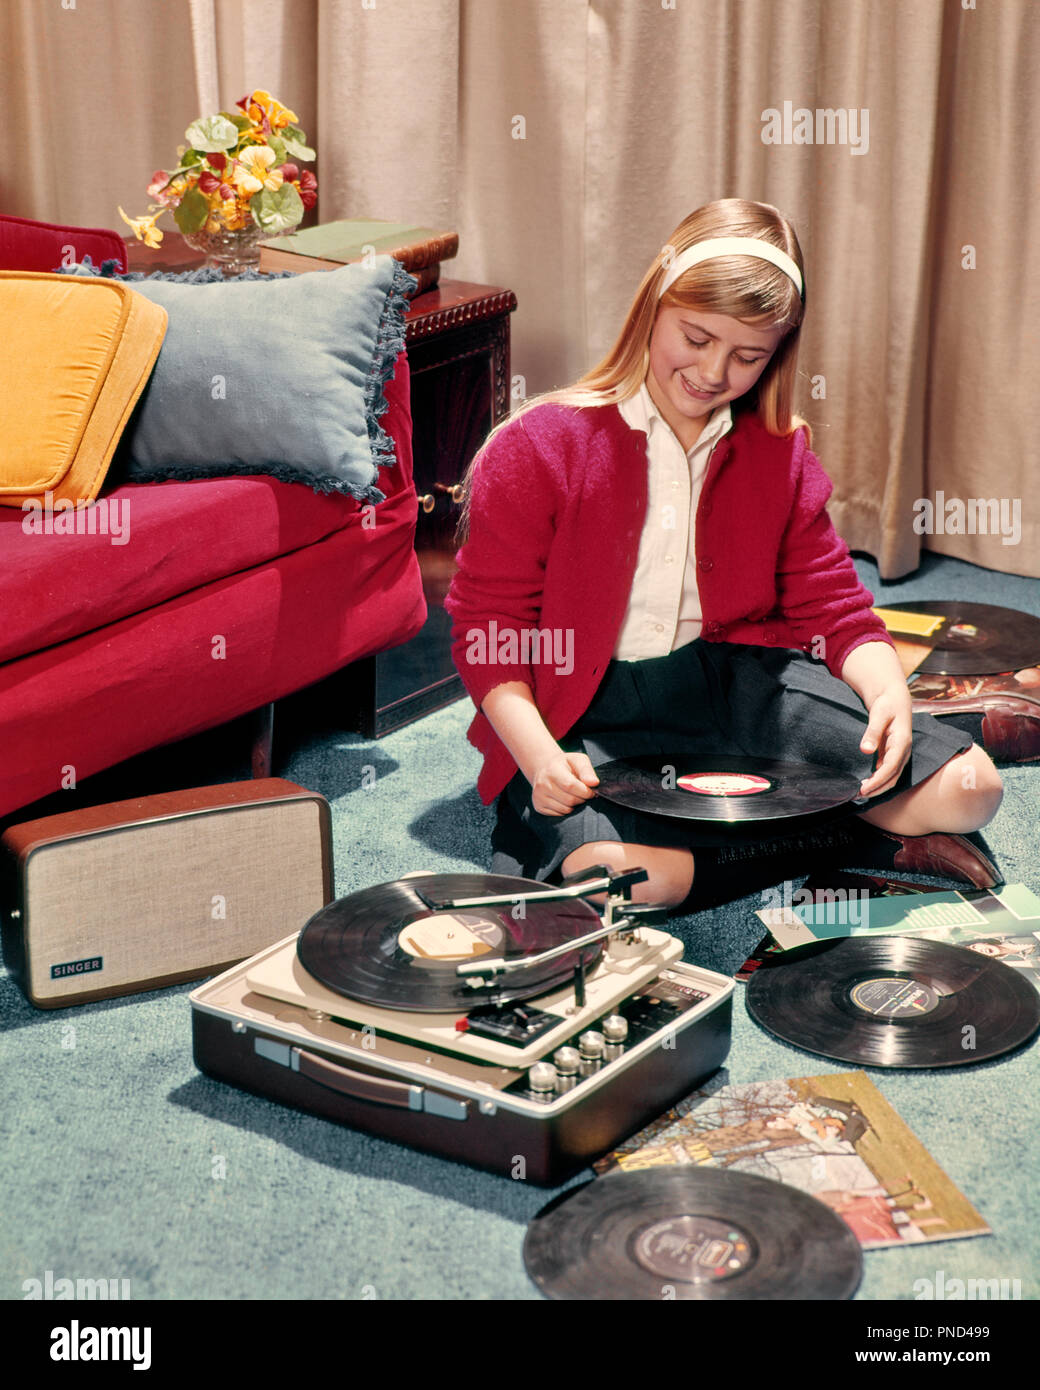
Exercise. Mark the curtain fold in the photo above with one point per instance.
(564, 140)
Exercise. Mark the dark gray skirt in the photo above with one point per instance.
(705, 698)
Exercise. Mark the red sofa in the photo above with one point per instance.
(230, 594)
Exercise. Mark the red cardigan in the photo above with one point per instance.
(556, 514)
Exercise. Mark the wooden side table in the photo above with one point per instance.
(458, 353)
(457, 339)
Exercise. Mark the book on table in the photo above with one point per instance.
(419, 249)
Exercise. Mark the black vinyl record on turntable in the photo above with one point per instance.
(894, 1001)
(975, 639)
(725, 789)
(394, 945)
(691, 1233)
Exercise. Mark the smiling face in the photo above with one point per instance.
(698, 361)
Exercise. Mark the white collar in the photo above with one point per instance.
(640, 413)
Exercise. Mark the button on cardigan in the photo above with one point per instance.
(557, 508)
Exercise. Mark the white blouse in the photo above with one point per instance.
(664, 609)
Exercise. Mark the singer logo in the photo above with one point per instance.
(77, 967)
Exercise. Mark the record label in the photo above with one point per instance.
(696, 1249)
(724, 784)
(891, 996)
(452, 936)
(729, 789)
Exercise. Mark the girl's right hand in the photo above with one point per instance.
(562, 782)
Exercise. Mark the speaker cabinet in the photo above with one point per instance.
(134, 895)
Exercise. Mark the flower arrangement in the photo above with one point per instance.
(236, 172)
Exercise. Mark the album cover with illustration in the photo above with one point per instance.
(834, 1137)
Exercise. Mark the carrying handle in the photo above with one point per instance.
(358, 1084)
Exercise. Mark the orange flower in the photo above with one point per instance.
(144, 228)
(263, 110)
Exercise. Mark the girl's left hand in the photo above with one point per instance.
(889, 731)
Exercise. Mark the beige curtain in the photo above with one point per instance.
(564, 139)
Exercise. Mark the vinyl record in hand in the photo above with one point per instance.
(977, 639)
(386, 946)
(690, 1233)
(724, 788)
(894, 1001)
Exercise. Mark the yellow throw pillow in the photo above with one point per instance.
(75, 354)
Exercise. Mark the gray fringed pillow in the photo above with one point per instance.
(281, 375)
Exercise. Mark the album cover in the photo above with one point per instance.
(937, 688)
(768, 946)
(834, 1137)
(1001, 923)
(874, 885)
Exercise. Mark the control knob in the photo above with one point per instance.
(542, 1077)
(615, 1028)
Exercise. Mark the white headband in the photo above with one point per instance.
(731, 246)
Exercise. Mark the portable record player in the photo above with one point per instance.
(484, 1018)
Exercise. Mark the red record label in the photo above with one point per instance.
(724, 783)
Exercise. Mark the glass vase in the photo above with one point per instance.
(231, 252)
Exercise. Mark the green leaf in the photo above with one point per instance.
(240, 121)
(190, 157)
(212, 133)
(277, 211)
(278, 146)
(191, 212)
(295, 142)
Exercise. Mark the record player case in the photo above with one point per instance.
(648, 1026)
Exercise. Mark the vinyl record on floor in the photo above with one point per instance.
(690, 1233)
(385, 945)
(977, 639)
(724, 788)
(894, 1001)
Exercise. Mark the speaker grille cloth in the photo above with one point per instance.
(148, 898)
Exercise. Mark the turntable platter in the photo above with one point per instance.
(386, 946)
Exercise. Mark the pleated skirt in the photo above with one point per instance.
(714, 698)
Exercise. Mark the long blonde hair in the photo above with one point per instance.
(741, 287)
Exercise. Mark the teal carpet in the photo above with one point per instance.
(121, 1161)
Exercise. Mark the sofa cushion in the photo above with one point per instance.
(277, 376)
(26, 244)
(152, 678)
(74, 357)
(151, 544)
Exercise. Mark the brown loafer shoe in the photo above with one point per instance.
(1013, 734)
(1010, 725)
(944, 856)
